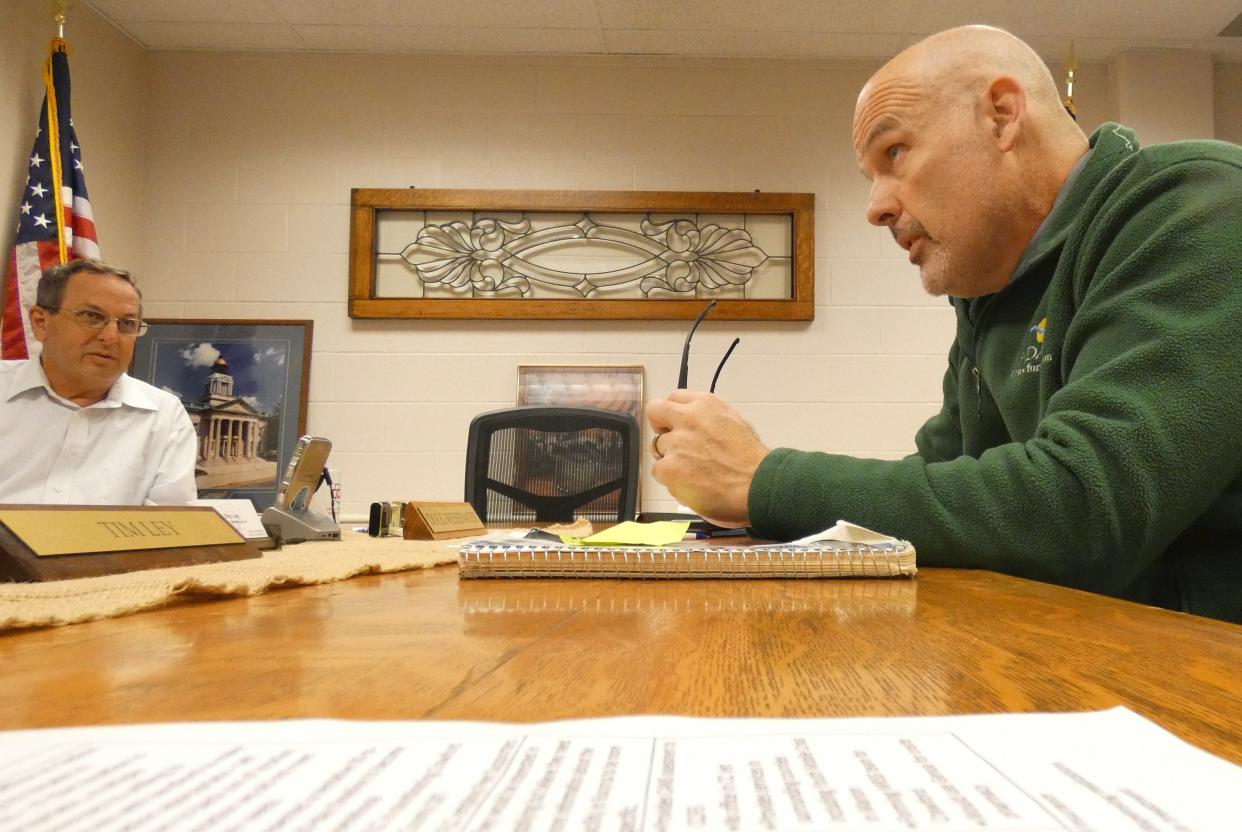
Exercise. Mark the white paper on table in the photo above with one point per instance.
(1110, 771)
(847, 532)
(240, 514)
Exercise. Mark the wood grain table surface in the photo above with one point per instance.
(424, 645)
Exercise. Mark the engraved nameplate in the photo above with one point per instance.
(48, 543)
(80, 531)
(439, 520)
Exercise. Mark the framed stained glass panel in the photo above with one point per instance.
(580, 254)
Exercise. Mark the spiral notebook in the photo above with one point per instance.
(835, 553)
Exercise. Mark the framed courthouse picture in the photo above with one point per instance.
(244, 384)
(611, 387)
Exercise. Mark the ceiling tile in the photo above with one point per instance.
(1152, 20)
(497, 14)
(833, 16)
(754, 45)
(337, 12)
(420, 39)
(266, 36)
(722, 28)
(1118, 18)
(187, 11)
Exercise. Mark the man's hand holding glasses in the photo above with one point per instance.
(705, 453)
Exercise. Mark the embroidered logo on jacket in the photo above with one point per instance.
(1034, 357)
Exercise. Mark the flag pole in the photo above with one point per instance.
(59, 44)
(59, 8)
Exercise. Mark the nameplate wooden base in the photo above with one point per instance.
(51, 543)
(440, 521)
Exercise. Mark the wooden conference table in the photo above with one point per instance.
(422, 645)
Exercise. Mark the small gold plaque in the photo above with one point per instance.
(79, 531)
(437, 521)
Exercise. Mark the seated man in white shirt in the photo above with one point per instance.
(75, 429)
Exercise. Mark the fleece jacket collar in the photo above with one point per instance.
(1106, 147)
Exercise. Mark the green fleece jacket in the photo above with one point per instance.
(1091, 432)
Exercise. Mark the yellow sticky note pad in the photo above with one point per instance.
(631, 533)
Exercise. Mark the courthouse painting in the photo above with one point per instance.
(232, 430)
(241, 394)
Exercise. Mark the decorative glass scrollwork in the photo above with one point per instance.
(462, 254)
(491, 256)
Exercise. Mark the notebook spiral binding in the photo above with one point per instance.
(820, 560)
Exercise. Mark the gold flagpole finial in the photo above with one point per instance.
(1071, 68)
(59, 9)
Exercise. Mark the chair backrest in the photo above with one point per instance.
(552, 464)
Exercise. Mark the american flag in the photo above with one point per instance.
(54, 222)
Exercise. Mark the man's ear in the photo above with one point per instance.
(1006, 110)
(38, 322)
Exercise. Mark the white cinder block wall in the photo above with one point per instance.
(249, 164)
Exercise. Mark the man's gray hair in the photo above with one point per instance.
(52, 285)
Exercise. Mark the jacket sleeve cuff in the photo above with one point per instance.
(764, 495)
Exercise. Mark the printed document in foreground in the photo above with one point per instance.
(1107, 771)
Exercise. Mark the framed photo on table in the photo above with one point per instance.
(244, 384)
(611, 387)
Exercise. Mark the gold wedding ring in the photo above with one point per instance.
(655, 446)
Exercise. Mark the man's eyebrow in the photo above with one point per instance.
(883, 125)
(92, 307)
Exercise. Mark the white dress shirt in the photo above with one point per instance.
(136, 446)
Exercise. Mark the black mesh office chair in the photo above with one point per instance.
(552, 464)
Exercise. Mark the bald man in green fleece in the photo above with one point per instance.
(1091, 431)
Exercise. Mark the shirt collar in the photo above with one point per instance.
(28, 376)
(131, 393)
(124, 391)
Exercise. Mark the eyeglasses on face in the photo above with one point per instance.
(93, 319)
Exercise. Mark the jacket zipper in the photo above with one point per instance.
(974, 371)
(974, 358)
